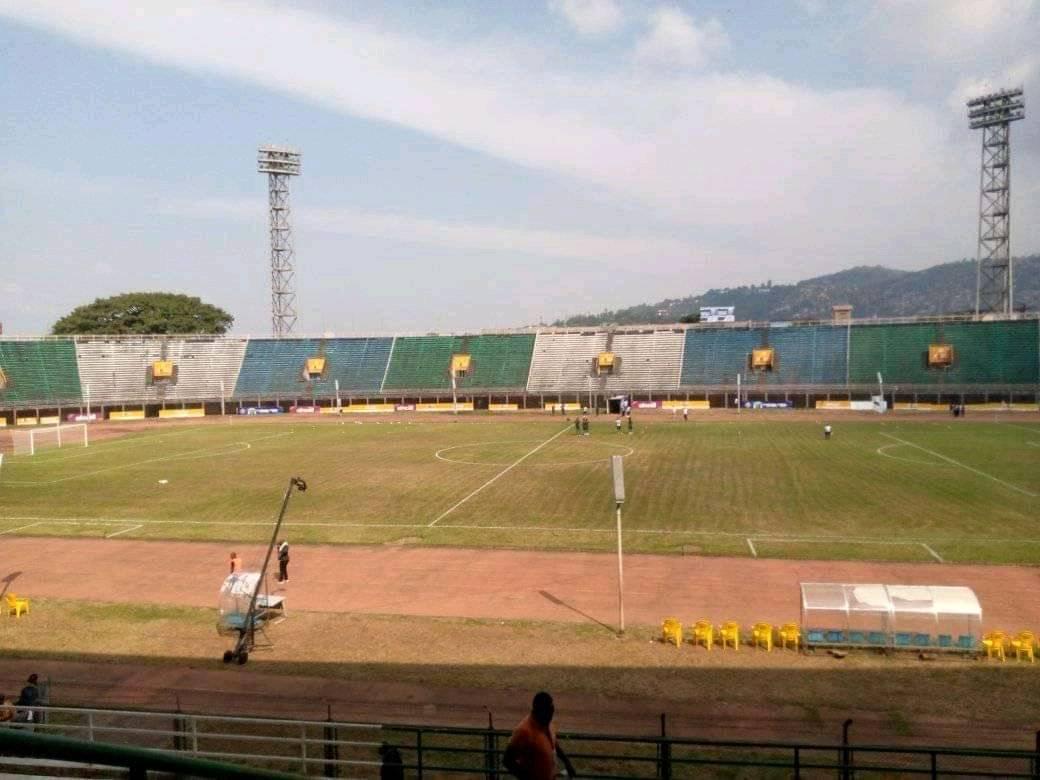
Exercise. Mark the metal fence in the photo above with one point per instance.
(342, 749)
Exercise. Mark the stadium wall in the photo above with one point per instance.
(994, 360)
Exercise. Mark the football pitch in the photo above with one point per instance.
(890, 488)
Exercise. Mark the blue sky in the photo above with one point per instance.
(480, 165)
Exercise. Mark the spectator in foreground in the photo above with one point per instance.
(391, 765)
(6, 710)
(29, 697)
(532, 750)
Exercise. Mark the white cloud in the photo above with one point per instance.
(954, 30)
(589, 17)
(440, 233)
(675, 40)
(795, 178)
(103, 268)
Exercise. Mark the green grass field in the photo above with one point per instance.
(884, 489)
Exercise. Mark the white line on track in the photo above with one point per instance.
(124, 531)
(500, 474)
(933, 553)
(973, 470)
(751, 546)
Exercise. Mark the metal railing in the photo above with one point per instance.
(343, 749)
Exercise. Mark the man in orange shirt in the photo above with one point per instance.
(532, 750)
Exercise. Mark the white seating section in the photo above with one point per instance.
(650, 362)
(120, 371)
(563, 361)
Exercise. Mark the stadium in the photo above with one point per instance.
(799, 541)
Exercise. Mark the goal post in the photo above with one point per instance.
(32, 441)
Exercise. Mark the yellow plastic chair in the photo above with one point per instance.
(729, 633)
(995, 643)
(1024, 645)
(16, 605)
(762, 635)
(671, 631)
(790, 633)
(704, 633)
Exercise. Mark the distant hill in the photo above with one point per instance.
(873, 291)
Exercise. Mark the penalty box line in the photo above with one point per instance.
(973, 470)
(499, 475)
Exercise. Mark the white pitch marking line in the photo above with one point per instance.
(502, 473)
(1016, 488)
(933, 553)
(124, 531)
(20, 528)
(751, 546)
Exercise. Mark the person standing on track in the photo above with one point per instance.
(235, 563)
(283, 561)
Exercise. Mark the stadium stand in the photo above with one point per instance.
(649, 362)
(120, 370)
(994, 353)
(805, 355)
(274, 367)
(714, 356)
(38, 373)
(563, 361)
(424, 362)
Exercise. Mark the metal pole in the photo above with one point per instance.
(738, 393)
(222, 393)
(620, 577)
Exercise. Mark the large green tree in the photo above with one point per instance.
(144, 313)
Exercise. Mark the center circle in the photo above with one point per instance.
(458, 452)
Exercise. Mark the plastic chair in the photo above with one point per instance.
(994, 642)
(790, 634)
(729, 633)
(671, 631)
(17, 605)
(704, 633)
(1023, 645)
(762, 635)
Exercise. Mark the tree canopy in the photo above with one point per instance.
(144, 313)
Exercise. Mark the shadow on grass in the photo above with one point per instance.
(561, 603)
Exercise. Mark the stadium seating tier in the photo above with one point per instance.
(39, 372)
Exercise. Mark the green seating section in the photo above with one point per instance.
(985, 353)
(424, 362)
(39, 373)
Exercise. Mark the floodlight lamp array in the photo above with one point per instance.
(278, 160)
(1007, 105)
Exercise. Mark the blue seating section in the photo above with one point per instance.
(274, 367)
(804, 355)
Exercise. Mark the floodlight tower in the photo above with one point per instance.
(993, 114)
(279, 164)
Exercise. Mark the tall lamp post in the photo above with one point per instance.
(618, 468)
